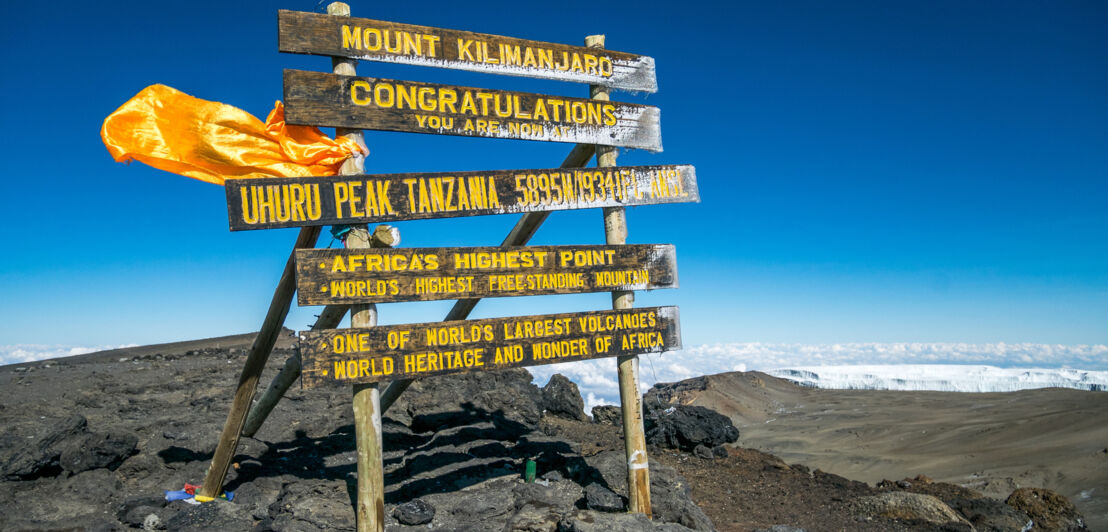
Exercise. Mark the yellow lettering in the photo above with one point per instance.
(249, 209)
(376, 34)
(354, 97)
(406, 95)
(464, 53)
(384, 94)
(351, 39)
(342, 195)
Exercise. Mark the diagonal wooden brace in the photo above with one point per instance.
(255, 363)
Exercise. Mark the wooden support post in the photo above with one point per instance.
(370, 508)
(520, 234)
(274, 318)
(634, 436)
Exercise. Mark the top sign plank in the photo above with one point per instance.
(375, 40)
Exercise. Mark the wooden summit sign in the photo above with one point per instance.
(345, 276)
(375, 40)
(346, 356)
(321, 99)
(272, 202)
(366, 354)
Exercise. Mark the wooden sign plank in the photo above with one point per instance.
(322, 99)
(346, 276)
(375, 40)
(345, 356)
(272, 202)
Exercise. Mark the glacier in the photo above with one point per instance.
(942, 377)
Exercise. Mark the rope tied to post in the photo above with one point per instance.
(212, 141)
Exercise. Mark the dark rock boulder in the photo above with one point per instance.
(464, 398)
(591, 521)
(64, 446)
(37, 456)
(534, 518)
(684, 427)
(414, 512)
(990, 515)
(1050, 511)
(909, 506)
(560, 397)
(670, 500)
(602, 499)
(83, 523)
(607, 415)
(304, 506)
(664, 393)
(215, 515)
(137, 512)
(95, 451)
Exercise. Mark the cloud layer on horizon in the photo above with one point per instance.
(598, 382)
(18, 353)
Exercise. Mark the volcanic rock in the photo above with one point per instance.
(96, 450)
(37, 455)
(414, 512)
(602, 499)
(560, 397)
(214, 515)
(684, 427)
(990, 515)
(909, 506)
(669, 493)
(607, 415)
(433, 403)
(587, 521)
(305, 506)
(1050, 511)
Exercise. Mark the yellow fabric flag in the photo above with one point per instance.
(211, 141)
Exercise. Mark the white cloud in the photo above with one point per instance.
(597, 378)
(17, 353)
(943, 377)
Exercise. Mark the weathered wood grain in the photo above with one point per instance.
(376, 40)
(345, 276)
(272, 202)
(322, 99)
(627, 367)
(344, 356)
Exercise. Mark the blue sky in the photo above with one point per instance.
(869, 171)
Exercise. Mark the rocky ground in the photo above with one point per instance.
(92, 443)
